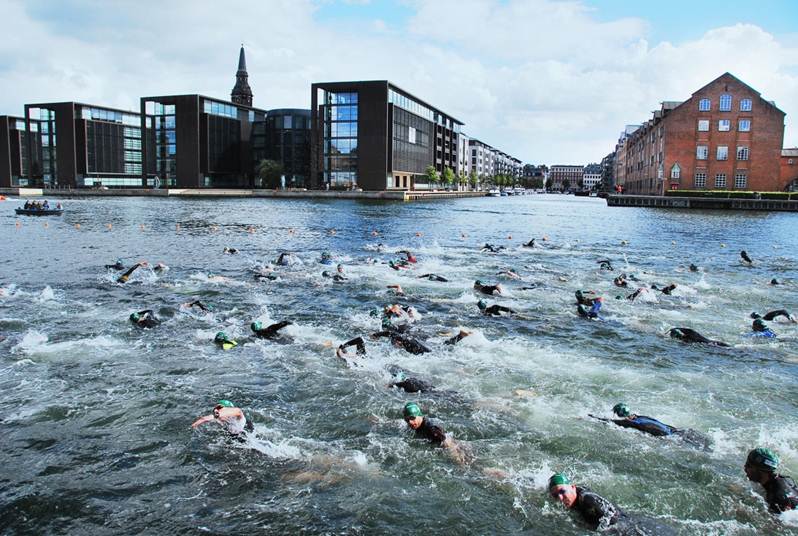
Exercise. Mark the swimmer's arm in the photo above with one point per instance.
(203, 420)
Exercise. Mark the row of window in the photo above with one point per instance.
(724, 104)
(740, 180)
(99, 114)
(722, 152)
(724, 125)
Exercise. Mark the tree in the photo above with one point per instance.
(462, 179)
(432, 175)
(269, 173)
(580, 184)
(448, 176)
(473, 178)
(536, 183)
(566, 184)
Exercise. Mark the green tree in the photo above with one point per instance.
(433, 177)
(566, 184)
(536, 182)
(473, 178)
(448, 176)
(269, 173)
(462, 179)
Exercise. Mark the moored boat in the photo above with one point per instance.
(39, 211)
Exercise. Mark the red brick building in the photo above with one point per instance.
(724, 137)
(789, 169)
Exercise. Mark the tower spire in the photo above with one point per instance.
(242, 93)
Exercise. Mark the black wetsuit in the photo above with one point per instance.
(581, 299)
(146, 319)
(605, 265)
(414, 385)
(116, 266)
(432, 431)
(530, 244)
(781, 494)
(492, 249)
(635, 294)
(691, 336)
(745, 257)
(272, 331)
(665, 290)
(457, 338)
(124, 277)
(337, 278)
(603, 516)
(620, 281)
(693, 268)
(497, 310)
(409, 344)
(433, 277)
(231, 251)
(358, 342)
(770, 315)
(487, 289)
(654, 427)
(285, 259)
(200, 305)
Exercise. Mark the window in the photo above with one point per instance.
(742, 153)
(722, 153)
(744, 125)
(725, 103)
(745, 105)
(724, 125)
(704, 105)
(720, 180)
(703, 125)
(702, 152)
(411, 134)
(676, 171)
(741, 179)
(700, 179)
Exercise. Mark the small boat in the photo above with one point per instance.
(581, 193)
(39, 211)
(494, 192)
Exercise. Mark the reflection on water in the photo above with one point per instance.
(97, 413)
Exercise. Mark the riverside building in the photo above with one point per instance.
(724, 137)
(284, 136)
(564, 177)
(15, 141)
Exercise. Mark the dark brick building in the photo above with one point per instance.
(15, 155)
(724, 137)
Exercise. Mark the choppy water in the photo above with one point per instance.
(96, 421)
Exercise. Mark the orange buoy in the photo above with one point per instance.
(77, 226)
(46, 225)
(109, 226)
(509, 237)
(418, 233)
(18, 224)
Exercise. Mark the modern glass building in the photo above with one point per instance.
(199, 141)
(376, 136)
(285, 138)
(15, 145)
(83, 145)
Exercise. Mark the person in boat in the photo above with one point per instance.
(593, 312)
(776, 315)
(691, 336)
(46, 205)
(145, 319)
(745, 258)
(229, 417)
(760, 329)
(781, 492)
(269, 332)
(124, 277)
(488, 289)
(26, 206)
(494, 310)
(118, 266)
(433, 277)
(223, 341)
(656, 428)
(490, 248)
(58, 206)
(357, 342)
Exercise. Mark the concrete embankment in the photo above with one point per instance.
(715, 203)
(231, 193)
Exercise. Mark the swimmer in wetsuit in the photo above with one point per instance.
(605, 264)
(432, 431)
(269, 332)
(760, 329)
(691, 336)
(620, 281)
(401, 340)
(493, 310)
(433, 277)
(665, 290)
(654, 427)
(124, 277)
(775, 315)
(512, 273)
(145, 319)
(230, 251)
(326, 258)
(491, 248)
(357, 342)
(585, 297)
(337, 278)
(530, 244)
(286, 258)
(593, 312)
(457, 338)
(229, 417)
(118, 266)
(411, 384)
(781, 492)
(198, 304)
(693, 267)
(488, 289)
(633, 296)
(223, 341)
(745, 258)
(409, 257)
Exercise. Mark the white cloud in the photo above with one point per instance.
(546, 81)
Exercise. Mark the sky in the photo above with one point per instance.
(547, 81)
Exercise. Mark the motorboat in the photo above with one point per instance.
(494, 192)
(39, 211)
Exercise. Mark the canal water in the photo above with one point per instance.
(96, 435)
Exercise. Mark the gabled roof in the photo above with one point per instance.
(734, 78)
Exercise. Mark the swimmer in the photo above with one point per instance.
(286, 258)
(693, 267)
(488, 289)
(605, 264)
(512, 273)
(585, 297)
(656, 428)
(665, 290)
(781, 493)
(634, 295)
(691, 336)
(198, 304)
(326, 258)
(229, 417)
(400, 340)
(491, 248)
(223, 341)
(411, 384)
(431, 430)
(145, 319)
(337, 278)
(494, 310)
(620, 281)
(774, 281)
(403, 313)
(399, 265)
(457, 338)
(593, 312)
(530, 244)
(124, 277)
(599, 513)
(760, 329)
(776, 315)
(118, 266)
(269, 332)
(160, 268)
(433, 277)
(358, 342)
(230, 251)
(397, 289)
(745, 258)
(409, 257)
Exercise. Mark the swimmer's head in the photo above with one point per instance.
(134, 317)
(482, 304)
(478, 282)
(256, 325)
(326, 255)
(756, 315)
(762, 459)
(411, 411)
(558, 479)
(225, 404)
(221, 337)
(621, 410)
(759, 325)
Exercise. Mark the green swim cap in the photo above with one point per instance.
(482, 304)
(256, 325)
(226, 403)
(401, 377)
(763, 458)
(134, 317)
(558, 479)
(621, 410)
(412, 410)
(221, 337)
(326, 255)
(386, 322)
(374, 312)
(478, 282)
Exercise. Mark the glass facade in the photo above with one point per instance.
(221, 109)
(113, 146)
(284, 136)
(47, 134)
(412, 137)
(413, 106)
(340, 127)
(163, 118)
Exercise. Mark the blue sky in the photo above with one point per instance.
(548, 81)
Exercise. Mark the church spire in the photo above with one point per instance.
(242, 94)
